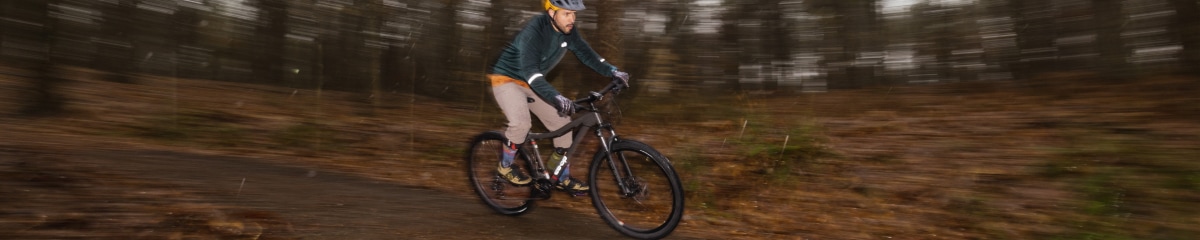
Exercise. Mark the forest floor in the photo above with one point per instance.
(1061, 156)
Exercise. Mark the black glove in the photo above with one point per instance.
(565, 106)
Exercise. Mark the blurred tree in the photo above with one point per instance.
(1035, 37)
(350, 45)
(437, 49)
(682, 46)
(37, 55)
(945, 29)
(730, 45)
(495, 37)
(397, 64)
(1187, 28)
(1107, 19)
(776, 40)
(997, 41)
(374, 12)
(745, 43)
(192, 49)
(496, 33)
(850, 28)
(337, 47)
(269, 41)
(608, 38)
(115, 53)
(864, 41)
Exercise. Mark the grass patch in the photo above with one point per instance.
(1120, 178)
(692, 168)
(300, 135)
(779, 152)
(310, 137)
(213, 128)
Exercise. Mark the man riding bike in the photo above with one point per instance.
(520, 86)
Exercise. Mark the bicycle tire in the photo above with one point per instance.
(640, 215)
(482, 157)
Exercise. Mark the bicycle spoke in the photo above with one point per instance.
(636, 193)
(482, 159)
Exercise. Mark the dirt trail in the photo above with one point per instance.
(90, 174)
(319, 204)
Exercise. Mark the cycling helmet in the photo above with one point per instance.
(573, 5)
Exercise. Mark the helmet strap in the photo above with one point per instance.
(554, 22)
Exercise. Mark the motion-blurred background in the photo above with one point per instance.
(826, 119)
(440, 48)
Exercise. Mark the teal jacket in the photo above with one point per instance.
(537, 48)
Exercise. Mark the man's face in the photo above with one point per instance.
(564, 20)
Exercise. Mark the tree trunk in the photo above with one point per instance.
(863, 26)
(268, 57)
(731, 45)
(1035, 37)
(116, 56)
(1107, 21)
(777, 43)
(44, 96)
(1187, 26)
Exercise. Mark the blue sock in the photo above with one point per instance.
(566, 173)
(509, 153)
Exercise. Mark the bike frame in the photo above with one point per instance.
(590, 121)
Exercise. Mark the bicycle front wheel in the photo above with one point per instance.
(636, 190)
(483, 157)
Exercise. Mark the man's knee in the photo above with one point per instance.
(521, 127)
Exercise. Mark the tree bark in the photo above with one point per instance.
(271, 41)
(1187, 26)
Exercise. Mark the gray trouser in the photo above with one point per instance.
(514, 101)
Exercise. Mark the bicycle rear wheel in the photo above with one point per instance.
(483, 157)
(650, 205)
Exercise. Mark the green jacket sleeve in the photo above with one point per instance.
(588, 56)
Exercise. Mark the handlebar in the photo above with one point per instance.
(597, 96)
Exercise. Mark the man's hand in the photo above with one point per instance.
(565, 106)
(623, 76)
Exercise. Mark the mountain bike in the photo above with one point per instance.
(634, 188)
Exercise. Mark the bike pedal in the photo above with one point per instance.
(542, 190)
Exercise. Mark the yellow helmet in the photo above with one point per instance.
(573, 5)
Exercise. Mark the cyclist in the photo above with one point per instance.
(520, 86)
